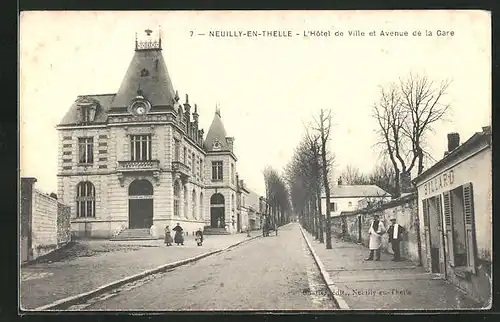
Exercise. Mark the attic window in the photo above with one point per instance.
(144, 72)
(87, 107)
(88, 113)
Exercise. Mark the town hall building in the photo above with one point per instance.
(137, 159)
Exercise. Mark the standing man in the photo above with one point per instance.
(396, 233)
(376, 231)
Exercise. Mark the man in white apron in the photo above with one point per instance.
(395, 233)
(376, 231)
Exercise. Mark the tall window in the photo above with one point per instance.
(185, 201)
(201, 169)
(177, 197)
(232, 173)
(194, 204)
(85, 199)
(86, 150)
(193, 169)
(140, 147)
(201, 205)
(86, 114)
(177, 152)
(185, 156)
(217, 170)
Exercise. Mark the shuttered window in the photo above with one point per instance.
(448, 226)
(459, 226)
(469, 226)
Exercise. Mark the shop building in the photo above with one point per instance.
(455, 215)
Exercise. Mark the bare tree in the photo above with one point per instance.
(405, 114)
(301, 180)
(314, 158)
(323, 126)
(421, 99)
(277, 195)
(352, 175)
(383, 176)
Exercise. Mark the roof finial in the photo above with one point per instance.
(217, 109)
(136, 42)
(159, 35)
(176, 96)
(148, 32)
(187, 99)
(196, 108)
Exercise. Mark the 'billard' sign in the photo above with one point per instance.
(439, 182)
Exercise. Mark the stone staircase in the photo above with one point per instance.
(134, 234)
(215, 231)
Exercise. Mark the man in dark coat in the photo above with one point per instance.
(396, 233)
(178, 237)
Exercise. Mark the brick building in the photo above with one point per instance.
(137, 159)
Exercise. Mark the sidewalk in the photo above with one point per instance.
(99, 262)
(384, 284)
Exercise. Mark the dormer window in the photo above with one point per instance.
(87, 107)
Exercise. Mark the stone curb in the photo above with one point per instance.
(72, 300)
(334, 291)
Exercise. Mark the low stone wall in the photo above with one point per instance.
(51, 228)
(45, 222)
(354, 226)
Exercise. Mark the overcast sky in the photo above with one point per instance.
(267, 88)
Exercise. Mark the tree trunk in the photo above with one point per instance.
(321, 237)
(324, 165)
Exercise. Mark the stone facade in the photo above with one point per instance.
(171, 157)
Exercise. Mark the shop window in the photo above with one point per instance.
(459, 222)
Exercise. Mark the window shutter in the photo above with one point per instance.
(469, 226)
(439, 213)
(448, 225)
(425, 211)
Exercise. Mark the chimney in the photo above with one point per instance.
(453, 141)
(487, 129)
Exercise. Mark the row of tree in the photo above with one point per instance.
(307, 175)
(405, 115)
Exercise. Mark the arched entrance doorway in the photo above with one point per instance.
(140, 204)
(217, 217)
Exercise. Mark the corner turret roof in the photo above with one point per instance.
(216, 132)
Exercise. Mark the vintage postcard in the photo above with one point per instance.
(255, 160)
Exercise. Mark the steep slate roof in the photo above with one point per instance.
(156, 86)
(72, 117)
(362, 191)
(216, 130)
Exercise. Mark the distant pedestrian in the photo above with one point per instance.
(199, 237)
(168, 236)
(178, 237)
(396, 233)
(376, 231)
